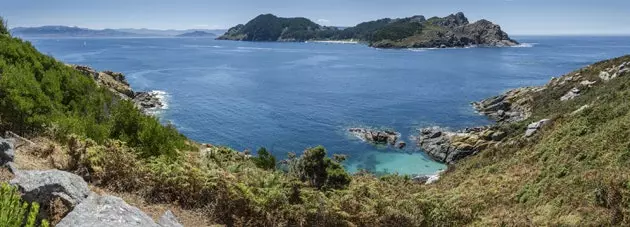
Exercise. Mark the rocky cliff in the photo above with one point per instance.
(527, 109)
(117, 84)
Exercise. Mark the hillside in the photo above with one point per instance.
(268, 27)
(412, 32)
(570, 170)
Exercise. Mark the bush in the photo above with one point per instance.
(14, 212)
(4, 29)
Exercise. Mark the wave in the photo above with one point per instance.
(525, 45)
(254, 48)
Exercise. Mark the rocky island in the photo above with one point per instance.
(412, 32)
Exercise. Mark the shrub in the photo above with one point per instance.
(14, 212)
(4, 29)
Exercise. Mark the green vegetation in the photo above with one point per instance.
(268, 27)
(4, 29)
(14, 212)
(38, 93)
(265, 160)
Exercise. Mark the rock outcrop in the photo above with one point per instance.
(448, 147)
(512, 106)
(106, 211)
(44, 187)
(116, 82)
(379, 136)
(535, 126)
(168, 219)
(7, 153)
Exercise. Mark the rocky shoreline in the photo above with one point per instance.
(116, 82)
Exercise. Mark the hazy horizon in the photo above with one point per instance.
(517, 17)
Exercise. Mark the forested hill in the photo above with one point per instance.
(411, 32)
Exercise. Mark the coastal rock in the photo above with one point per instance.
(573, 93)
(535, 126)
(448, 146)
(105, 211)
(44, 187)
(376, 136)
(401, 145)
(168, 219)
(512, 106)
(148, 100)
(7, 153)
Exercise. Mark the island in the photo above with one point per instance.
(197, 34)
(412, 32)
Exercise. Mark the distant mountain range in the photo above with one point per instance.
(67, 31)
(411, 32)
(197, 34)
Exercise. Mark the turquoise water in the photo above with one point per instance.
(290, 96)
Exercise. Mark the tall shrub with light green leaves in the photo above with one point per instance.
(14, 212)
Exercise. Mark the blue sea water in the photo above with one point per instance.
(290, 96)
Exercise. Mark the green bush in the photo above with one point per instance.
(14, 212)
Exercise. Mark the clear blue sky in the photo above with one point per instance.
(515, 16)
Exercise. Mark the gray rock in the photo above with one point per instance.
(605, 76)
(376, 136)
(420, 179)
(105, 211)
(168, 219)
(45, 186)
(573, 93)
(535, 126)
(7, 153)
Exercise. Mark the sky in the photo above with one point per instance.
(517, 17)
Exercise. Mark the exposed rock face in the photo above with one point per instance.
(448, 147)
(147, 100)
(117, 83)
(168, 219)
(512, 106)
(7, 153)
(573, 93)
(105, 211)
(535, 126)
(46, 186)
(378, 137)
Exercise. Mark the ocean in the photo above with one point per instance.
(291, 96)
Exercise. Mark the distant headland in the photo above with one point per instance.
(412, 32)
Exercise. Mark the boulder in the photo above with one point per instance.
(105, 211)
(535, 126)
(573, 93)
(168, 219)
(7, 153)
(45, 186)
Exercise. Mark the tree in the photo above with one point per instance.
(320, 171)
(4, 28)
(265, 160)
